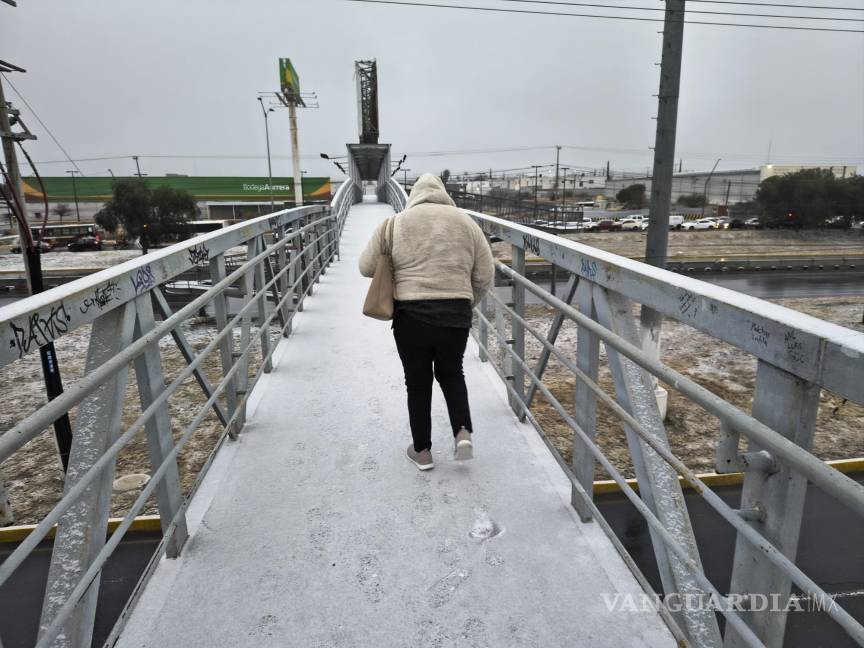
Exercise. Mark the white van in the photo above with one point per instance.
(676, 221)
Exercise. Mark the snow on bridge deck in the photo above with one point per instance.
(315, 530)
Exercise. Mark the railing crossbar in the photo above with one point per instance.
(42, 529)
(31, 426)
(732, 616)
(96, 565)
(831, 481)
(807, 585)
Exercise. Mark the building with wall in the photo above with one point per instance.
(721, 187)
(243, 196)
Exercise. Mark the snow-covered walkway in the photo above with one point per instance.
(315, 530)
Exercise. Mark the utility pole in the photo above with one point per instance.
(406, 178)
(564, 197)
(295, 155)
(664, 162)
(705, 190)
(557, 164)
(32, 270)
(608, 176)
(536, 168)
(75, 192)
(137, 166)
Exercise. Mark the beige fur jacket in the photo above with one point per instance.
(439, 252)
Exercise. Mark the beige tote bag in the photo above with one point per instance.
(379, 299)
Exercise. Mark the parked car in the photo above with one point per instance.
(736, 223)
(85, 243)
(723, 222)
(701, 224)
(43, 246)
(676, 221)
(589, 225)
(752, 223)
(630, 225)
(608, 225)
(858, 224)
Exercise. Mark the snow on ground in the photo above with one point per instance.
(54, 260)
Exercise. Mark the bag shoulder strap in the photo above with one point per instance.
(387, 247)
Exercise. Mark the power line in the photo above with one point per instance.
(771, 4)
(48, 130)
(605, 17)
(689, 11)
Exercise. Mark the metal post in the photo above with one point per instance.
(585, 402)
(658, 481)
(82, 529)
(267, 136)
(226, 346)
(789, 405)
(295, 155)
(15, 183)
(518, 329)
(160, 442)
(33, 275)
(255, 247)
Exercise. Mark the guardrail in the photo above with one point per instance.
(286, 253)
(796, 355)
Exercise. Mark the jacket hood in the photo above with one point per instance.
(429, 189)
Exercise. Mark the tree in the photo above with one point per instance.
(162, 212)
(445, 176)
(62, 210)
(808, 198)
(632, 197)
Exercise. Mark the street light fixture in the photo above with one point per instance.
(266, 112)
(335, 160)
(75, 191)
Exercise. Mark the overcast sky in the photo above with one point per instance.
(168, 78)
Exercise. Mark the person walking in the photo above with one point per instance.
(442, 266)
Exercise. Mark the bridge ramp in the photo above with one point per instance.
(315, 530)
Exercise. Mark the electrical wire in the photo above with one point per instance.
(774, 4)
(41, 186)
(689, 11)
(17, 209)
(39, 119)
(602, 16)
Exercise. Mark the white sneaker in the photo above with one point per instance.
(463, 448)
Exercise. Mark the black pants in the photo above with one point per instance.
(428, 351)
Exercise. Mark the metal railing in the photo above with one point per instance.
(286, 253)
(796, 355)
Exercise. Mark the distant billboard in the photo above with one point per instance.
(289, 82)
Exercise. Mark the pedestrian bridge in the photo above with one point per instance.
(309, 527)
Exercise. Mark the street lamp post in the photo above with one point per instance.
(75, 192)
(266, 112)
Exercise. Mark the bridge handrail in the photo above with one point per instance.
(124, 330)
(605, 287)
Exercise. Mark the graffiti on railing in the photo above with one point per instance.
(102, 296)
(794, 347)
(199, 254)
(760, 334)
(40, 330)
(589, 269)
(143, 280)
(688, 305)
(531, 243)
